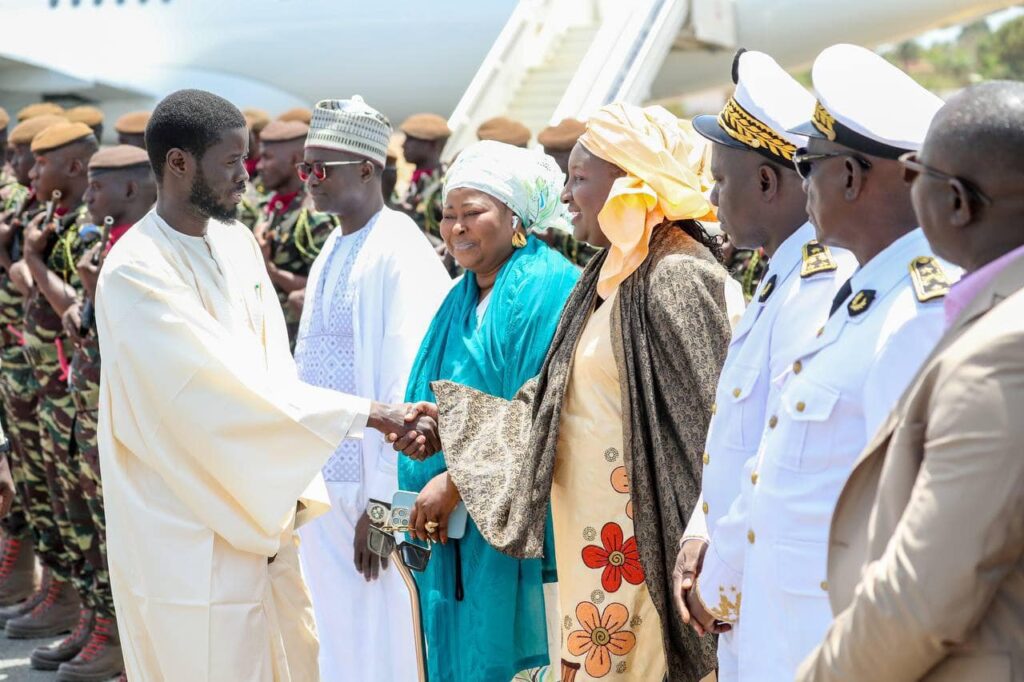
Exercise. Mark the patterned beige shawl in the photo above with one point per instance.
(670, 335)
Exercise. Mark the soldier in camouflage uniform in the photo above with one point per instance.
(253, 204)
(290, 232)
(122, 188)
(17, 551)
(558, 142)
(18, 387)
(52, 249)
(425, 138)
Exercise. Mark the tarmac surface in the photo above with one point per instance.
(14, 666)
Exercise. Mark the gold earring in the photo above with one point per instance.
(518, 239)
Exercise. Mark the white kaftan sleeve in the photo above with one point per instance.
(416, 285)
(237, 440)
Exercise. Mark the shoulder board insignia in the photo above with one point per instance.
(930, 281)
(769, 287)
(861, 302)
(817, 258)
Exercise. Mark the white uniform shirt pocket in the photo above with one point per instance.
(808, 439)
(739, 419)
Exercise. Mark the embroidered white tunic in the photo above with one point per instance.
(370, 298)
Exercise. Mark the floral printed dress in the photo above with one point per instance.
(610, 628)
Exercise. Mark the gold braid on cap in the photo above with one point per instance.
(742, 126)
(824, 122)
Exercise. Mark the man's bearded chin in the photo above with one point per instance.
(206, 202)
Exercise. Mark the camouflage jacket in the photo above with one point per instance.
(578, 253)
(423, 199)
(748, 267)
(297, 233)
(252, 207)
(11, 195)
(12, 303)
(74, 236)
(84, 377)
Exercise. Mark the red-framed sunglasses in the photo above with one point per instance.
(318, 169)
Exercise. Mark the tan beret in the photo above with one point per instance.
(119, 156)
(505, 130)
(562, 137)
(26, 130)
(297, 114)
(284, 131)
(395, 146)
(133, 123)
(58, 135)
(256, 119)
(40, 109)
(90, 116)
(426, 127)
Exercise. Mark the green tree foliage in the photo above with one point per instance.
(1001, 55)
(977, 53)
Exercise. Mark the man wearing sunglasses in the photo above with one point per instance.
(210, 446)
(840, 386)
(370, 297)
(925, 555)
(761, 204)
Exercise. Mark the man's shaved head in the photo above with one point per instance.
(970, 201)
(983, 128)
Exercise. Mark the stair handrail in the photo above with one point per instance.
(514, 52)
(647, 54)
(624, 59)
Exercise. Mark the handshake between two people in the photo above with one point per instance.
(411, 428)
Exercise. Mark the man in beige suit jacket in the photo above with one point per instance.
(926, 551)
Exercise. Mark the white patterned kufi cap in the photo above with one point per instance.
(350, 125)
(526, 180)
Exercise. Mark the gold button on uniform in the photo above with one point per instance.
(798, 367)
(707, 458)
(773, 422)
(753, 478)
(750, 536)
(801, 406)
(824, 585)
(736, 393)
(714, 408)
(705, 507)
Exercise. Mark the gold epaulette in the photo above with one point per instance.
(817, 259)
(930, 281)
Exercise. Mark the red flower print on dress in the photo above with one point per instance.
(602, 636)
(618, 559)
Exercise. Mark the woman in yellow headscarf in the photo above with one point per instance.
(610, 434)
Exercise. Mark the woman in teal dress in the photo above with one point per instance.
(483, 612)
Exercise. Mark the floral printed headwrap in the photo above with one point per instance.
(527, 181)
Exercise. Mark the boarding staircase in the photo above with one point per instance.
(556, 59)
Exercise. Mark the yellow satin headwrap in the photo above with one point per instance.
(667, 176)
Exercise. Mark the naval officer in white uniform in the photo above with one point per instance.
(883, 323)
(761, 204)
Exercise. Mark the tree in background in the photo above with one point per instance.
(977, 53)
(1001, 54)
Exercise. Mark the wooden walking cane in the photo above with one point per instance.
(417, 622)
